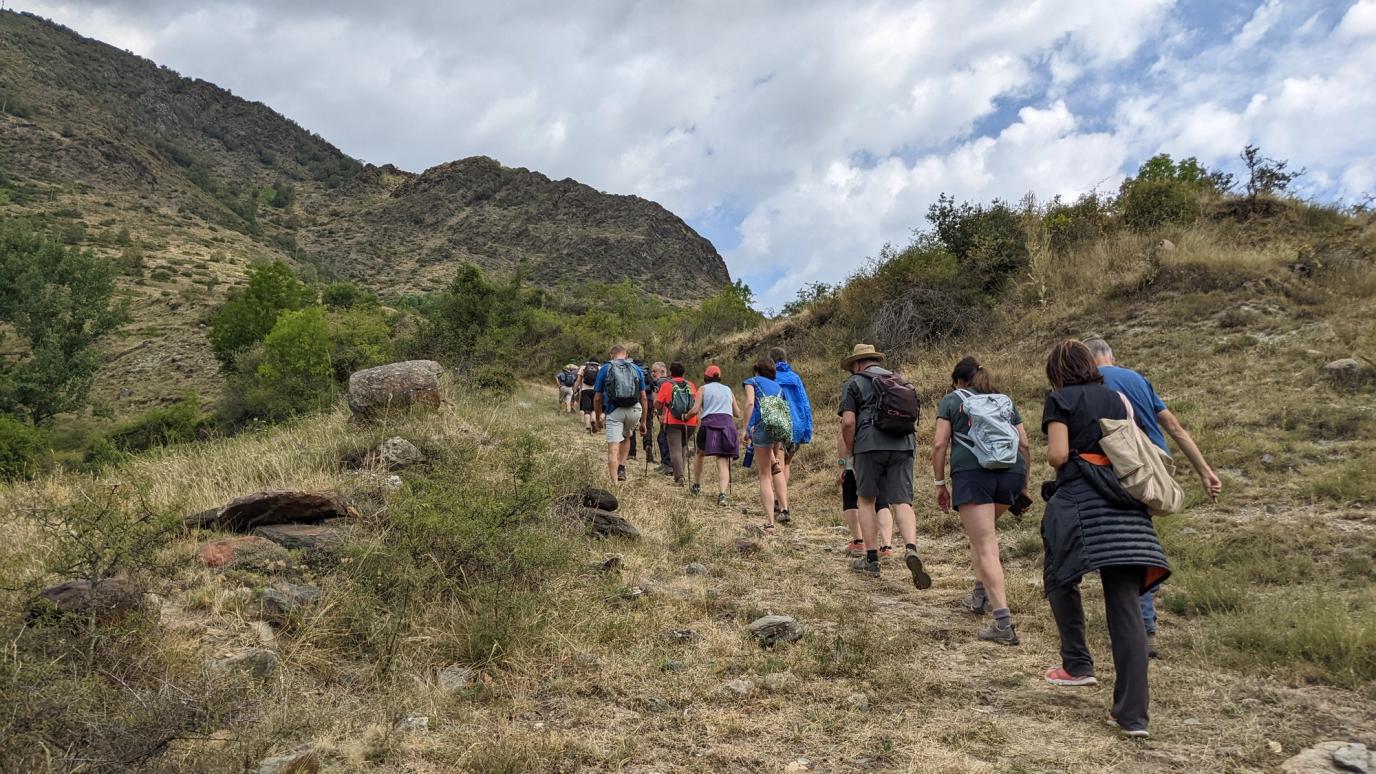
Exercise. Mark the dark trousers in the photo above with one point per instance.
(678, 449)
(1126, 633)
(663, 442)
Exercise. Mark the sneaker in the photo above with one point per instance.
(920, 577)
(993, 633)
(855, 548)
(782, 517)
(1131, 733)
(621, 473)
(665, 469)
(695, 489)
(862, 566)
(1059, 676)
(885, 552)
(976, 603)
(721, 500)
(1152, 652)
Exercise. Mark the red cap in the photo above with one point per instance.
(712, 371)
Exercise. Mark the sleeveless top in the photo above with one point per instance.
(716, 399)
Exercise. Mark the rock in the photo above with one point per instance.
(859, 701)
(411, 724)
(1192, 721)
(771, 630)
(455, 677)
(1331, 758)
(587, 660)
(608, 524)
(1165, 246)
(740, 686)
(259, 509)
(1343, 367)
(695, 568)
(258, 662)
(610, 563)
(681, 636)
(778, 682)
(394, 453)
(396, 388)
(672, 666)
(264, 633)
(747, 547)
(285, 600)
(302, 760)
(798, 766)
(634, 593)
(249, 551)
(599, 499)
(307, 537)
(107, 600)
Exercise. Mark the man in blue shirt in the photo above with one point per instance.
(621, 422)
(800, 412)
(1151, 415)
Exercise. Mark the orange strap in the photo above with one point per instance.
(1096, 459)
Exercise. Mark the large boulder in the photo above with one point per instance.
(771, 630)
(273, 507)
(1332, 758)
(106, 600)
(607, 524)
(307, 537)
(374, 393)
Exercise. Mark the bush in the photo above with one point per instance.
(181, 422)
(359, 338)
(248, 316)
(21, 448)
(1150, 204)
(346, 295)
(295, 375)
(986, 240)
(910, 298)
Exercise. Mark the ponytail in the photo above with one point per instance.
(980, 381)
(976, 376)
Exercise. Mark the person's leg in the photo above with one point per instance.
(780, 479)
(663, 442)
(676, 447)
(1070, 622)
(851, 517)
(764, 460)
(885, 526)
(869, 524)
(613, 460)
(1147, 604)
(978, 521)
(630, 442)
(1128, 638)
(724, 475)
(697, 467)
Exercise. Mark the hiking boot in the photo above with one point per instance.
(855, 548)
(721, 500)
(1152, 652)
(886, 552)
(782, 517)
(861, 565)
(1059, 676)
(665, 469)
(920, 577)
(620, 472)
(994, 633)
(695, 489)
(678, 482)
(976, 603)
(631, 455)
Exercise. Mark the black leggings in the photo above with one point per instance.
(1127, 636)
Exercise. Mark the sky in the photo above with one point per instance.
(800, 136)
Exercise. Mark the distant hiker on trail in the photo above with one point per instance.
(850, 510)
(879, 412)
(565, 380)
(1092, 523)
(620, 406)
(769, 429)
(676, 399)
(716, 410)
(649, 401)
(800, 412)
(658, 376)
(988, 475)
(587, 376)
(1151, 415)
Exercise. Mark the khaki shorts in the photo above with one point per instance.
(622, 423)
(565, 394)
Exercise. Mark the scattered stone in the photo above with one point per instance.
(396, 388)
(411, 724)
(1354, 757)
(1343, 366)
(1331, 758)
(266, 637)
(1274, 746)
(798, 766)
(260, 509)
(859, 701)
(747, 547)
(1165, 246)
(258, 662)
(302, 760)
(607, 524)
(771, 630)
(656, 704)
(107, 600)
(246, 551)
(682, 636)
(634, 593)
(672, 666)
(395, 453)
(307, 537)
(587, 660)
(1228, 752)
(1268, 459)
(695, 568)
(285, 600)
(598, 499)
(611, 563)
(1191, 721)
(778, 682)
(455, 677)
(740, 686)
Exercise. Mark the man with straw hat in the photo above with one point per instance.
(878, 418)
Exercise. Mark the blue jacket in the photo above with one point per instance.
(799, 407)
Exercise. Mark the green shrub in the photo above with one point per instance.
(1088, 219)
(248, 315)
(181, 422)
(21, 448)
(295, 375)
(360, 337)
(346, 295)
(1150, 204)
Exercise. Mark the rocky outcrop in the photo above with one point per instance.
(607, 524)
(306, 537)
(396, 388)
(260, 509)
(1332, 758)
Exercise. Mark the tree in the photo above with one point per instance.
(462, 313)
(1266, 176)
(295, 375)
(59, 302)
(346, 295)
(248, 316)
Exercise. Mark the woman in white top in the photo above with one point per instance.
(717, 410)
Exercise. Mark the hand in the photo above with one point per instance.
(943, 498)
(642, 427)
(841, 477)
(1212, 486)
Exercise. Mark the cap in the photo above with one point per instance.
(712, 371)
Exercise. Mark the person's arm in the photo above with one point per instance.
(1025, 451)
(847, 446)
(735, 407)
(1057, 444)
(941, 444)
(842, 455)
(749, 405)
(1183, 439)
(597, 408)
(644, 405)
(697, 404)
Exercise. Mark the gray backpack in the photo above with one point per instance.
(992, 438)
(623, 383)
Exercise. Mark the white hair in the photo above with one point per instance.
(1099, 348)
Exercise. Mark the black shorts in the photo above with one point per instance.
(981, 487)
(849, 500)
(884, 475)
(585, 401)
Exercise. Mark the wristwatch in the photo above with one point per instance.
(841, 461)
(939, 482)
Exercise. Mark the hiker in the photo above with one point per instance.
(1091, 523)
(1151, 415)
(676, 399)
(768, 430)
(879, 412)
(620, 406)
(800, 414)
(716, 411)
(646, 419)
(587, 376)
(565, 379)
(988, 475)
(850, 511)
(659, 374)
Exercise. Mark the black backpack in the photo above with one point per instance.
(896, 408)
(590, 375)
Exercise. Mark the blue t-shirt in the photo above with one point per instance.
(1146, 404)
(763, 388)
(601, 385)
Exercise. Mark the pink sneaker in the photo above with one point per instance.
(855, 548)
(1059, 676)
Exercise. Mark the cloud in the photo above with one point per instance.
(802, 136)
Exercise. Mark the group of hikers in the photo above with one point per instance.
(1105, 429)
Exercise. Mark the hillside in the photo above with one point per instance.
(185, 185)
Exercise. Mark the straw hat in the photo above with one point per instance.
(861, 352)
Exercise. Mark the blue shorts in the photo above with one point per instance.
(981, 487)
